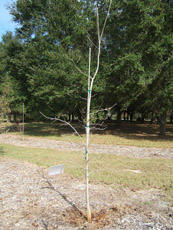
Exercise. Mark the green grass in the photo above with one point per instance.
(142, 135)
(109, 169)
(130, 140)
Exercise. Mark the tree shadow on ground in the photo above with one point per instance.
(75, 216)
(51, 129)
(2, 152)
(130, 131)
(137, 131)
(77, 211)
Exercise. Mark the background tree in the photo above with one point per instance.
(11, 88)
(141, 37)
(136, 67)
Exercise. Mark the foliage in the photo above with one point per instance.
(49, 46)
(10, 89)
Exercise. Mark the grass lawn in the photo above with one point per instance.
(142, 135)
(117, 171)
(114, 170)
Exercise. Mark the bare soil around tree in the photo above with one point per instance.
(30, 199)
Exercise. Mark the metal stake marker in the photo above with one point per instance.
(57, 169)
(23, 120)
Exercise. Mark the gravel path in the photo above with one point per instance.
(130, 151)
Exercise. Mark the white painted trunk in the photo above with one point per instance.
(87, 140)
(90, 87)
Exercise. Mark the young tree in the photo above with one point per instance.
(69, 34)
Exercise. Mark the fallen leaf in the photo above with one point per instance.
(35, 225)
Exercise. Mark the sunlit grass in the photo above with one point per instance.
(131, 141)
(106, 168)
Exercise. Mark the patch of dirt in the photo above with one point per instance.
(30, 199)
(130, 151)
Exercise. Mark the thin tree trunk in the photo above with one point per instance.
(8, 117)
(15, 117)
(72, 116)
(79, 115)
(90, 87)
(152, 118)
(131, 116)
(119, 117)
(87, 140)
(162, 124)
(143, 118)
(124, 115)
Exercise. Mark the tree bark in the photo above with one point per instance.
(79, 115)
(131, 116)
(15, 117)
(162, 122)
(124, 115)
(143, 118)
(119, 117)
(8, 117)
(152, 118)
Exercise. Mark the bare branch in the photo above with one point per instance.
(98, 26)
(98, 107)
(78, 68)
(102, 110)
(63, 121)
(71, 59)
(100, 39)
(99, 126)
(106, 19)
(99, 129)
(89, 70)
(72, 143)
(99, 49)
(92, 42)
(83, 98)
(94, 95)
(45, 224)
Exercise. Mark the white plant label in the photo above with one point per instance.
(57, 169)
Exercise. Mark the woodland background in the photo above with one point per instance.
(39, 64)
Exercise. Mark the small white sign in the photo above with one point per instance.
(57, 169)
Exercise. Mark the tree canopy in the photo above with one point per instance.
(45, 63)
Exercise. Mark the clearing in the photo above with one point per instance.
(137, 195)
